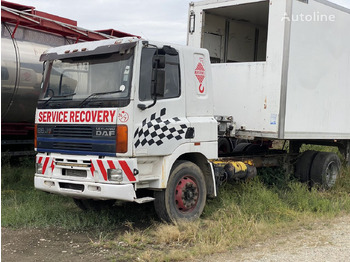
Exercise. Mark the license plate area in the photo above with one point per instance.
(74, 173)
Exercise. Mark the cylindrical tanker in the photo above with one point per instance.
(21, 72)
(25, 34)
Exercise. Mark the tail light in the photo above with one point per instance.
(122, 139)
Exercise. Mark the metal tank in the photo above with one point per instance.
(21, 71)
(25, 34)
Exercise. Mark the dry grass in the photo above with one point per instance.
(242, 214)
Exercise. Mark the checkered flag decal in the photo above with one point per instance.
(156, 130)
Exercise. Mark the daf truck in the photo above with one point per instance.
(134, 120)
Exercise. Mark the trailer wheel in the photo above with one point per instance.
(303, 166)
(325, 170)
(241, 147)
(224, 146)
(249, 149)
(185, 195)
(95, 205)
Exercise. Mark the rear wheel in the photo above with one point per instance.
(185, 195)
(303, 166)
(250, 149)
(241, 147)
(325, 169)
(224, 146)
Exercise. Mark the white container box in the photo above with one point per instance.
(281, 68)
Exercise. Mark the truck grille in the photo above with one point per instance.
(76, 139)
(74, 173)
(73, 131)
(72, 146)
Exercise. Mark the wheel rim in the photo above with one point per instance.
(186, 194)
(331, 173)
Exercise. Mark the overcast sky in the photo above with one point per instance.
(164, 20)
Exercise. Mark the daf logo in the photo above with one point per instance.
(105, 131)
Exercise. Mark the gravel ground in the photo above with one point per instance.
(322, 241)
(326, 241)
(34, 245)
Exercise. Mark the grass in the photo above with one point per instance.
(23, 206)
(242, 214)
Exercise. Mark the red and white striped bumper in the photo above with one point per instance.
(101, 166)
(84, 177)
(47, 163)
(97, 169)
(77, 189)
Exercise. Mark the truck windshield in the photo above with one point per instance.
(92, 81)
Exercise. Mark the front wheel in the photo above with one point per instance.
(185, 196)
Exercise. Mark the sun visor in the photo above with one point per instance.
(83, 52)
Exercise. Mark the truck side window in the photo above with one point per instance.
(172, 75)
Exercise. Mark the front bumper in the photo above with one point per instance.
(91, 190)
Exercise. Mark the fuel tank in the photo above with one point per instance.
(21, 71)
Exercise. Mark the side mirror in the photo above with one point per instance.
(159, 62)
(160, 83)
(170, 50)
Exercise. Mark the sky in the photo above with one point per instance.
(164, 20)
(161, 20)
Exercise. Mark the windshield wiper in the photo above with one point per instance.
(97, 94)
(48, 100)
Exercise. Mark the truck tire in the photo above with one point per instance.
(241, 147)
(224, 146)
(303, 166)
(325, 170)
(185, 195)
(95, 205)
(250, 149)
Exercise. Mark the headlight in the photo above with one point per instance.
(115, 175)
(39, 168)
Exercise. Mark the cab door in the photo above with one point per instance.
(160, 123)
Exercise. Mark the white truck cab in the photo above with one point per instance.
(116, 115)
